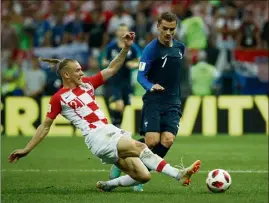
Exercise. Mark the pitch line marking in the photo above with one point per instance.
(107, 171)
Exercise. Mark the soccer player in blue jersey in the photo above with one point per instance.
(120, 86)
(159, 74)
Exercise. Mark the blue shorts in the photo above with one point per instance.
(160, 117)
(120, 93)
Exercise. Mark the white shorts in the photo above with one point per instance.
(103, 142)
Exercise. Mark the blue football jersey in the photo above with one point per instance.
(161, 65)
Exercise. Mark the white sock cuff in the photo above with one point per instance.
(145, 153)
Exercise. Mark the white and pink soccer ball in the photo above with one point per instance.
(218, 180)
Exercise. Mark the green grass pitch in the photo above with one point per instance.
(61, 169)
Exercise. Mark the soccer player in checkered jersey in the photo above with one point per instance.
(76, 102)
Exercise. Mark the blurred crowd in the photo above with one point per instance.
(211, 30)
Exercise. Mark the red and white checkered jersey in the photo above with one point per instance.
(78, 105)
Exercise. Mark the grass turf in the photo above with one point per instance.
(63, 170)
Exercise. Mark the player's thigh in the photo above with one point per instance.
(128, 147)
(135, 168)
(150, 118)
(170, 119)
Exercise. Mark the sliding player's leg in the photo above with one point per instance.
(128, 149)
(137, 174)
(131, 148)
(115, 171)
(111, 144)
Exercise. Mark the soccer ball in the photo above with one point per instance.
(218, 180)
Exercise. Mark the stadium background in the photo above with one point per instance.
(232, 37)
(225, 117)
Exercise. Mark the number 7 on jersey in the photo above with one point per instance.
(165, 59)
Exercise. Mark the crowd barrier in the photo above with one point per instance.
(207, 116)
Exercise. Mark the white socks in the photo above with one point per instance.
(171, 171)
(153, 162)
(123, 181)
(156, 163)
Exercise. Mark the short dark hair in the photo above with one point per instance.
(167, 16)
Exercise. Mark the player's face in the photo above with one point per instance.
(75, 73)
(122, 30)
(167, 30)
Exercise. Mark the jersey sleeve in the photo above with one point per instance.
(96, 80)
(54, 107)
(144, 67)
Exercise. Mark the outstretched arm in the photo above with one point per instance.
(118, 61)
(41, 133)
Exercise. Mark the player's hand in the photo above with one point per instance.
(128, 39)
(157, 88)
(16, 155)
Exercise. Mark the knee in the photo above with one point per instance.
(144, 178)
(152, 140)
(117, 105)
(167, 139)
(140, 146)
(120, 106)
